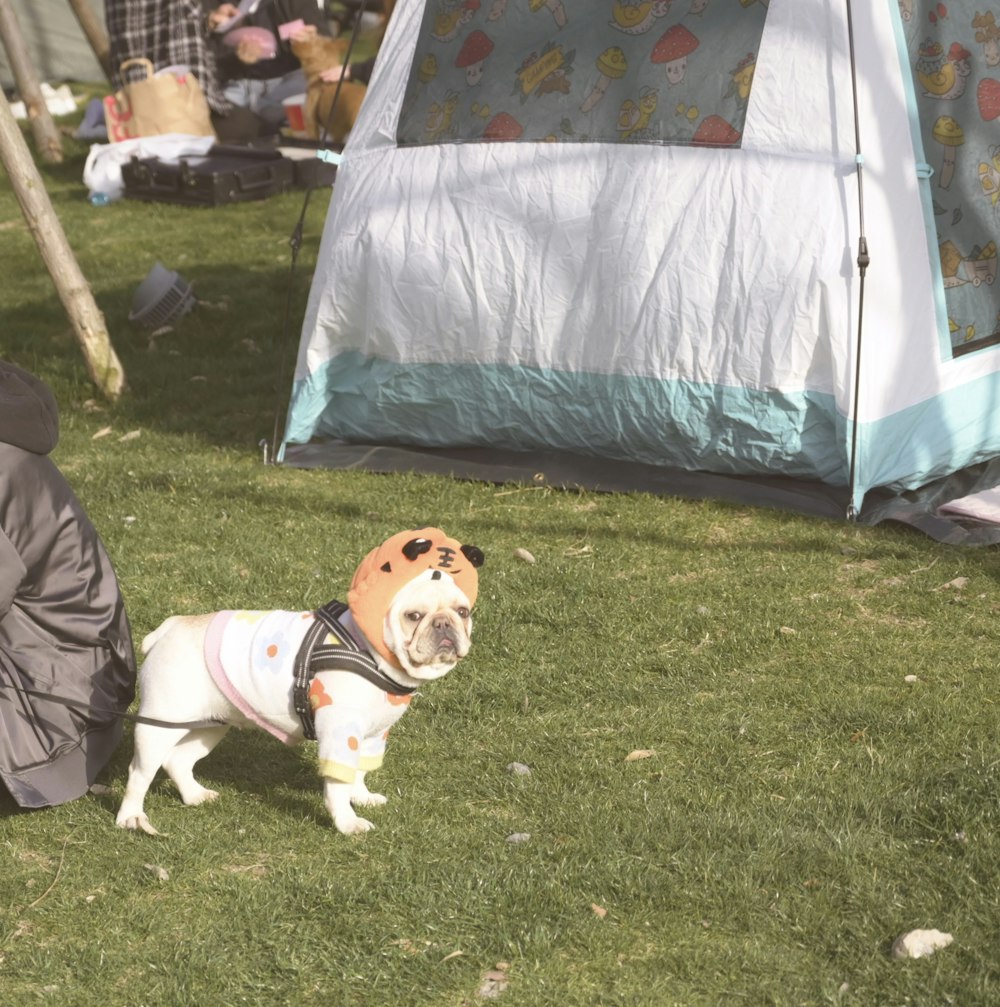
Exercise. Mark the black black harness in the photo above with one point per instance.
(345, 655)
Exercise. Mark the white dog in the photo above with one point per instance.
(343, 675)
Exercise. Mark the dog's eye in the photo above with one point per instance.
(463, 613)
(414, 616)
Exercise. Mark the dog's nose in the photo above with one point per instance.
(441, 622)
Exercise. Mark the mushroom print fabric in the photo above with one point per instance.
(954, 51)
(616, 71)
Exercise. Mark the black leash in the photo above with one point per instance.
(74, 704)
(312, 657)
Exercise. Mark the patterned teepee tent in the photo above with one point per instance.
(752, 240)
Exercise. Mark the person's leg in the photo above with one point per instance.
(275, 91)
(236, 93)
(240, 125)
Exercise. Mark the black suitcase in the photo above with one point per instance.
(312, 173)
(226, 174)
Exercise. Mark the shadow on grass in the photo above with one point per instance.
(245, 762)
(221, 375)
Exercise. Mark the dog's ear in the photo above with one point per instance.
(474, 555)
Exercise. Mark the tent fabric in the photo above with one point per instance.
(55, 42)
(929, 509)
(650, 298)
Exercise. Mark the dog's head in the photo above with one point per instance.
(412, 597)
(318, 52)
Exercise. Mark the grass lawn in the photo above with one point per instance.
(795, 804)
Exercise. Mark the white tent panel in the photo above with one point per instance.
(667, 303)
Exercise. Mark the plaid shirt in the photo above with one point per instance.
(168, 33)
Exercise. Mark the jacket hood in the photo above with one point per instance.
(29, 415)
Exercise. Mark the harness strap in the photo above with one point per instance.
(311, 658)
(332, 658)
(314, 657)
(74, 704)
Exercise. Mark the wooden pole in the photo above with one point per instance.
(43, 129)
(96, 35)
(103, 364)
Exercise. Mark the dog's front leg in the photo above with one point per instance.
(362, 796)
(337, 797)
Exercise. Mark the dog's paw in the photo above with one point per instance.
(369, 800)
(200, 796)
(353, 826)
(137, 823)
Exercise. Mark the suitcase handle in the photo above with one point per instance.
(249, 185)
(148, 177)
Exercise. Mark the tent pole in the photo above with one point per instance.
(96, 35)
(43, 129)
(862, 261)
(102, 363)
(295, 241)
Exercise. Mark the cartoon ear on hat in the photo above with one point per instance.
(474, 555)
(396, 562)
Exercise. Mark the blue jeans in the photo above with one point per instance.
(265, 96)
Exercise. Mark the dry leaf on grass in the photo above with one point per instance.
(254, 870)
(640, 753)
(494, 983)
(130, 436)
(954, 585)
(523, 554)
(410, 947)
(454, 954)
(160, 873)
(599, 911)
(103, 432)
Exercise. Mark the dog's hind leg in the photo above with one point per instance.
(180, 763)
(153, 746)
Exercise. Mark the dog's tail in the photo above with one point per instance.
(149, 641)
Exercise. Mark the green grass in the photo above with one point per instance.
(803, 805)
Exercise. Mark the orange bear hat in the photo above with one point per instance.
(396, 562)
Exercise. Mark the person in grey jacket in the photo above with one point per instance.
(67, 663)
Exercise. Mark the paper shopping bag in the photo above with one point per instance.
(169, 102)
